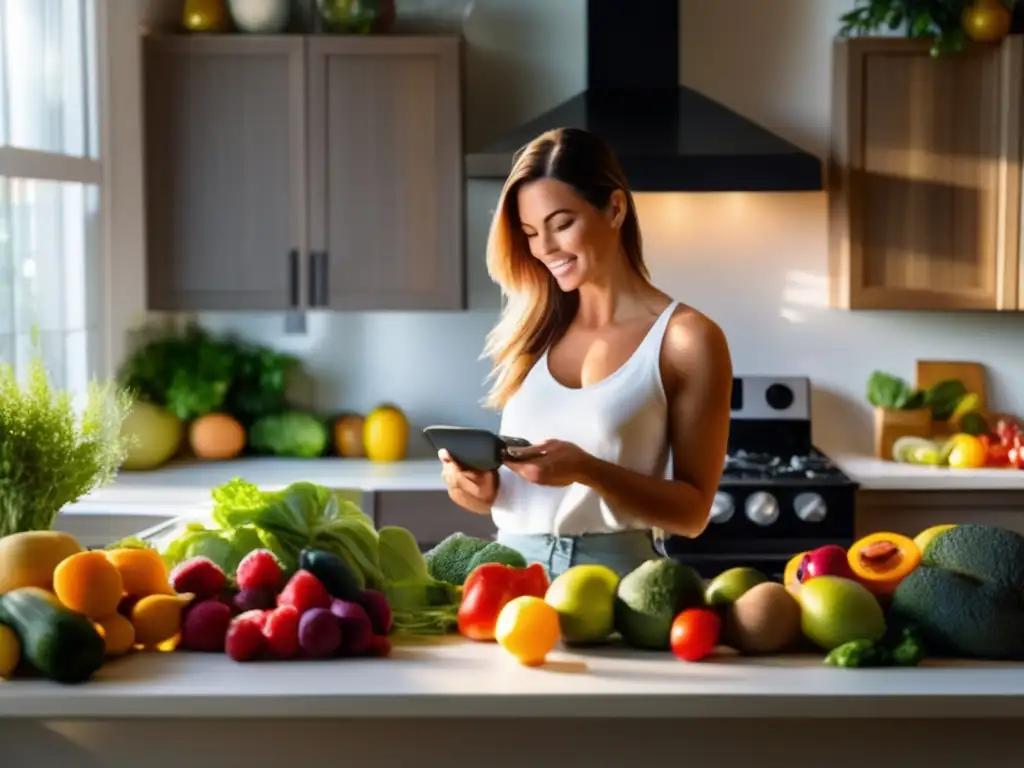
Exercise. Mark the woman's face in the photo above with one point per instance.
(570, 237)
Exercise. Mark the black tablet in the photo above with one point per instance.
(472, 448)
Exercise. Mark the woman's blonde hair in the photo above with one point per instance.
(535, 311)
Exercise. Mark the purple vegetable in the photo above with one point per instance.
(319, 633)
(255, 600)
(377, 609)
(356, 628)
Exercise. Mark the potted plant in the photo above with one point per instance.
(949, 24)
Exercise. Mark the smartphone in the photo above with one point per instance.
(471, 448)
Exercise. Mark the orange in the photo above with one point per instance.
(143, 571)
(89, 583)
(386, 434)
(966, 452)
(528, 628)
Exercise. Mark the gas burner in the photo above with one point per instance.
(746, 465)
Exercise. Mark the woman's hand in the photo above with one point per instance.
(552, 462)
(471, 490)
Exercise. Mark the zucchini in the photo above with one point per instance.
(59, 643)
(333, 572)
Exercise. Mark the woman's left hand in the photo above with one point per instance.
(552, 462)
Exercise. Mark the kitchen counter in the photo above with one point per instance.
(451, 677)
(453, 703)
(877, 475)
(185, 486)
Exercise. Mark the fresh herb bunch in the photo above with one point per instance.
(50, 454)
(192, 372)
(940, 20)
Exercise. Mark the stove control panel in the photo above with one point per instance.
(762, 508)
(722, 509)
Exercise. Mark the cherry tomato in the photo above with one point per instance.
(695, 633)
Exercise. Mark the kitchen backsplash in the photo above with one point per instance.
(755, 263)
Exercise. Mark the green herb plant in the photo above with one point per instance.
(52, 454)
(895, 394)
(938, 20)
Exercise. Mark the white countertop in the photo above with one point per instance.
(456, 678)
(181, 487)
(877, 475)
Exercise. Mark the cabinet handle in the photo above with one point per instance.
(293, 278)
(312, 288)
(323, 280)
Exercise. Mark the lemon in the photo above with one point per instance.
(527, 628)
(924, 538)
(965, 452)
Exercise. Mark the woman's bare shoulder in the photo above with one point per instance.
(694, 341)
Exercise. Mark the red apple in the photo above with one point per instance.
(829, 560)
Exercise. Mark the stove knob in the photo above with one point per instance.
(762, 508)
(810, 507)
(722, 508)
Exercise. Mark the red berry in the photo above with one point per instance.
(205, 626)
(380, 646)
(304, 591)
(257, 617)
(259, 570)
(281, 630)
(200, 576)
(245, 640)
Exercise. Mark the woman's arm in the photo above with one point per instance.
(697, 371)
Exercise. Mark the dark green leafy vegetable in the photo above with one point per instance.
(902, 646)
(420, 604)
(944, 397)
(192, 372)
(858, 654)
(890, 392)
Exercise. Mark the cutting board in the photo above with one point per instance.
(973, 376)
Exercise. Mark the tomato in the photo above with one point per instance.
(998, 455)
(695, 633)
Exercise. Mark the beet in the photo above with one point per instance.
(206, 626)
(319, 633)
(356, 628)
(377, 609)
(255, 600)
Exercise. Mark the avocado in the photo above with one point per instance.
(967, 596)
(649, 598)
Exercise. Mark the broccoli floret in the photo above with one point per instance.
(496, 552)
(449, 560)
(455, 558)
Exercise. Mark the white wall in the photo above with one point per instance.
(757, 264)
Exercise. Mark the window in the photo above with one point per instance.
(51, 283)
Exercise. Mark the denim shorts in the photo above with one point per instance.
(622, 552)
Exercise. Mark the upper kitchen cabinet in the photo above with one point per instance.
(225, 152)
(924, 176)
(385, 172)
(294, 172)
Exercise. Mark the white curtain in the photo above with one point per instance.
(51, 301)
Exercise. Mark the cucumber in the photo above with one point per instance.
(59, 643)
(332, 571)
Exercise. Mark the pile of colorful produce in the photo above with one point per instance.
(317, 613)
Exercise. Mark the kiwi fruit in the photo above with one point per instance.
(765, 619)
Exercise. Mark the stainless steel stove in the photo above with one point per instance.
(779, 495)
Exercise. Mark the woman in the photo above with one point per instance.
(606, 376)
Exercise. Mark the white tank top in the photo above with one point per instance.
(622, 419)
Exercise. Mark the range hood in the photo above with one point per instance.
(669, 138)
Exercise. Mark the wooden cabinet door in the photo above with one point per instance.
(385, 173)
(225, 162)
(924, 176)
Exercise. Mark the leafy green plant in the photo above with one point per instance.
(895, 394)
(192, 372)
(51, 453)
(939, 20)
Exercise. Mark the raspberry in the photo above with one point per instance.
(245, 640)
(199, 576)
(281, 630)
(259, 570)
(257, 617)
(304, 591)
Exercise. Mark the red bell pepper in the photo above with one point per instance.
(489, 588)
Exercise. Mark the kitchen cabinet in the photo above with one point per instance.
(304, 172)
(910, 512)
(924, 176)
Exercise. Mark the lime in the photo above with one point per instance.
(930, 455)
